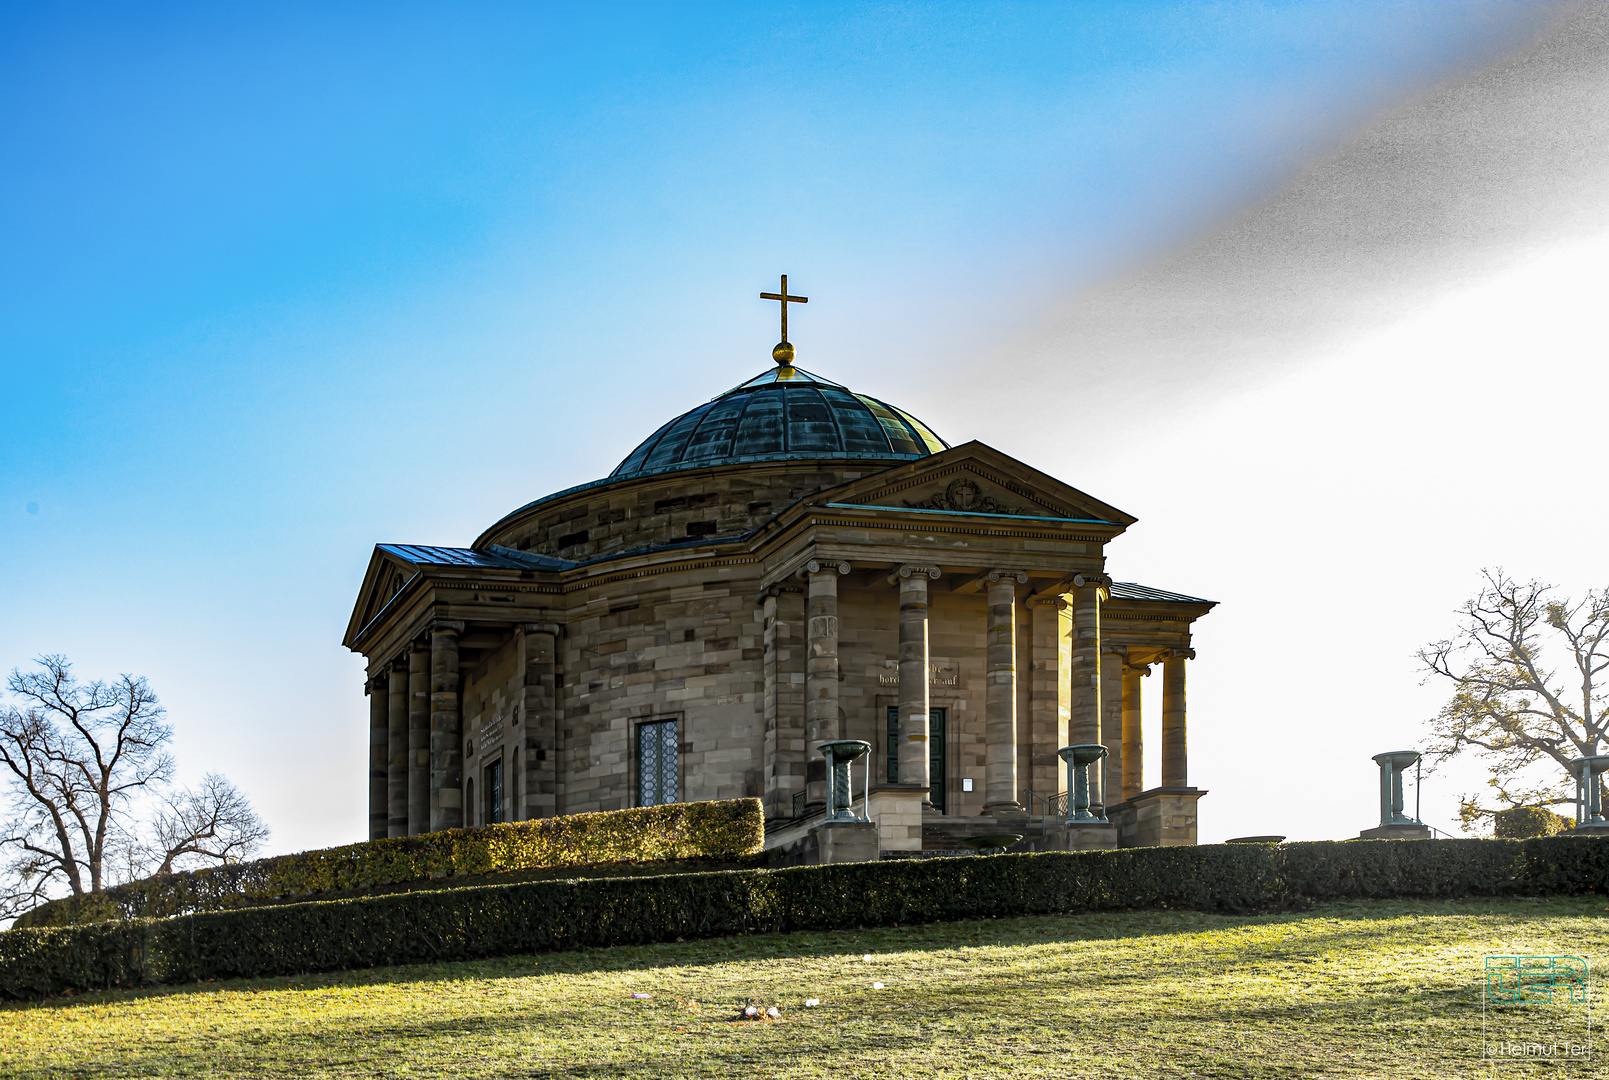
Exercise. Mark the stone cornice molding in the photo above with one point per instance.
(777, 590)
(913, 569)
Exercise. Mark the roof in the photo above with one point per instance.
(494, 558)
(1129, 590)
(785, 413)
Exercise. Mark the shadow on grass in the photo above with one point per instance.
(1364, 921)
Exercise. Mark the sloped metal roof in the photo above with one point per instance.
(495, 558)
(1129, 590)
(784, 413)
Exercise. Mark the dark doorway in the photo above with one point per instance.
(935, 753)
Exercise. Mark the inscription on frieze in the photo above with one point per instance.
(940, 673)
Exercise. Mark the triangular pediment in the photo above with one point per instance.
(385, 577)
(976, 478)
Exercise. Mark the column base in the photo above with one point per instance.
(1596, 828)
(1411, 831)
(1160, 817)
(1009, 814)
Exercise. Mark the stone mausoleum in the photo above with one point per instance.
(789, 563)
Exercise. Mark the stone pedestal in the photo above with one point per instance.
(1410, 831)
(897, 811)
(1079, 836)
(1599, 828)
(1160, 817)
(846, 841)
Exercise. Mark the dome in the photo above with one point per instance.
(784, 414)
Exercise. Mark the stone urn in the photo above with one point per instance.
(839, 754)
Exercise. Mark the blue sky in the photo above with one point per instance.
(284, 282)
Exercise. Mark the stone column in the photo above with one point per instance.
(1000, 693)
(784, 699)
(378, 689)
(913, 674)
(821, 672)
(1084, 719)
(1111, 768)
(536, 652)
(446, 736)
(397, 749)
(1133, 732)
(1049, 689)
(418, 738)
(1174, 766)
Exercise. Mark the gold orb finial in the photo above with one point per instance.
(783, 353)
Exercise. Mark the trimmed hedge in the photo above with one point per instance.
(427, 927)
(699, 830)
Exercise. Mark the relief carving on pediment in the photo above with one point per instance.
(965, 495)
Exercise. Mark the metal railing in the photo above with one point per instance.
(1052, 807)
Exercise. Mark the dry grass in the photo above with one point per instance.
(1383, 989)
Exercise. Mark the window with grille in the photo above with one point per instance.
(656, 763)
(494, 793)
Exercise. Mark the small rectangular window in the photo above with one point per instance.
(656, 763)
(701, 528)
(572, 539)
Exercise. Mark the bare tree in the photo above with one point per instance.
(1512, 705)
(78, 755)
(210, 822)
(83, 760)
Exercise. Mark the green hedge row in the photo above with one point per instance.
(552, 915)
(699, 830)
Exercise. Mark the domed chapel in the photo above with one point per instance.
(786, 564)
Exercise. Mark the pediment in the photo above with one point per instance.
(384, 579)
(976, 478)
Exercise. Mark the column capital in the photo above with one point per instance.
(1137, 669)
(994, 577)
(1048, 600)
(816, 566)
(914, 570)
(540, 628)
(1176, 654)
(446, 626)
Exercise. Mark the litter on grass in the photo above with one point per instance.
(641, 997)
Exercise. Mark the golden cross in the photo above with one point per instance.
(785, 298)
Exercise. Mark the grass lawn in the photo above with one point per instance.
(1359, 989)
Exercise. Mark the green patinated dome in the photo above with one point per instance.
(784, 414)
